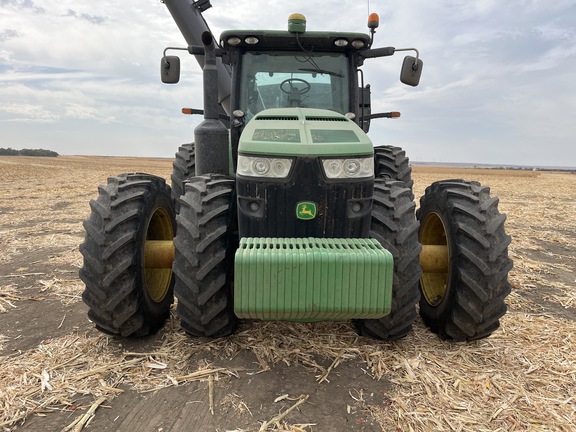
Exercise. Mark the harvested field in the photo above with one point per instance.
(59, 373)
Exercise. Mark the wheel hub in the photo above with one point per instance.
(158, 258)
(435, 259)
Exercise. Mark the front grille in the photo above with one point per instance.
(326, 119)
(288, 118)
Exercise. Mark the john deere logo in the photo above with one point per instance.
(306, 210)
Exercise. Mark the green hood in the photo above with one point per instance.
(303, 132)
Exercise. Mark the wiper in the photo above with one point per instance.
(322, 72)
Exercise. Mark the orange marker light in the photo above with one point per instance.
(394, 114)
(373, 21)
(186, 110)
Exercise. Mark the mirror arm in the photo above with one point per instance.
(174, 48)
(199, 50)
(378, 52)
(415, 65)
(195, 50)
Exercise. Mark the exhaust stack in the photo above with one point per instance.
(211, 136)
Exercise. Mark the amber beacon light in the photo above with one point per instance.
(373, 21)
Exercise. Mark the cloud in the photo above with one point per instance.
(42, 75)
(28, 5)
(8, 34)
(94, 19)
(28, 112)
(5, 56)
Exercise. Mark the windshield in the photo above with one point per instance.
(294, 79)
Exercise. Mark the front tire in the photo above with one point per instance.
(205, 245)
(125, 296)
(464, 298)
(395, 227)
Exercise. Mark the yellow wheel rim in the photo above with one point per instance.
(434, 259)
(157, 278)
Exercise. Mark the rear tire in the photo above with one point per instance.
(125, 297)
(467, 300)
(392, 163)
(205, 244)
(395, 227)
(183, 168)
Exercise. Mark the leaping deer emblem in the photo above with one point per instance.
(306, 210)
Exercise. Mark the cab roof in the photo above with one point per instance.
(259, 40)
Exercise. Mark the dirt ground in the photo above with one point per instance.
(59, 373)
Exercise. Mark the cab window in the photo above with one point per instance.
(294, 79)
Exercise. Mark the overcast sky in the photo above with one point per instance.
(499, 80)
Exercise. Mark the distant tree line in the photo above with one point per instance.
(528, 168)
(27, 152)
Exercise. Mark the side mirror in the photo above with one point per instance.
(411, 71)
(170, 69)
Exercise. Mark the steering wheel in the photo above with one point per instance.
(292, 90)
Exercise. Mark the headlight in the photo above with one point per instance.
(349, 168)
(251, 40)
(255, 166)
(233, 41)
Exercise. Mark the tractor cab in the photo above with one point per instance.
(294, 68)
(278, 69)
(301, 69)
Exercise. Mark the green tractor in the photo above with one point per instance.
(283, 209)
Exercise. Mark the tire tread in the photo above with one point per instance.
(476, 298)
